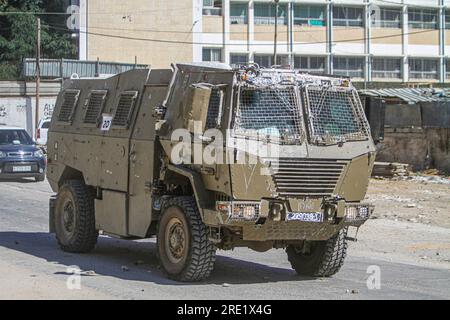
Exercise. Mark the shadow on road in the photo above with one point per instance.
(139, 259)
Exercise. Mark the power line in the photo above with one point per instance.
(91, 13)
(202, 32)
(243, 44)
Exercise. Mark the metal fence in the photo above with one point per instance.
(66, 68)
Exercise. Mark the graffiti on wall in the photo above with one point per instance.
(3, 112)
(48, 110)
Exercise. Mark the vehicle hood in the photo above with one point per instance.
(18, 148)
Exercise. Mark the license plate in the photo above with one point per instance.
(305, 216)
(22, 169)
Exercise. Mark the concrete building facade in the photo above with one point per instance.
(383, 41)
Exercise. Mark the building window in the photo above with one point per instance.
(387, 18)
(310, 64)
(265, 13)
(239, 59)
(212, 54)
(266, 61)
(348, 16)
(238, 13)
(447, 19)
(422, 18)
(309, 15)
(212, 7)
(349, 66)
(386, 68)
(423, 69)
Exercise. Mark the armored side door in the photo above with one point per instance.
(144, 158)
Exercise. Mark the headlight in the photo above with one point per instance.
(2, 154)
(38, 154)
(358, 212)
(240, 210)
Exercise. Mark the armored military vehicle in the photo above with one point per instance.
(123, 160)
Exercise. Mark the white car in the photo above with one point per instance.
(42, 132)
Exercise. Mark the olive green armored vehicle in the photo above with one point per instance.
(205, 157)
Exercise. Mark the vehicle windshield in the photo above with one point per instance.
(335, 115)
(273, 112)
(13, 136)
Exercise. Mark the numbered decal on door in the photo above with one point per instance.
(106, 122)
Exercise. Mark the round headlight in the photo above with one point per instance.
(2, 154)
(39, 154)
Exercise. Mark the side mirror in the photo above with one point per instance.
(197, 105)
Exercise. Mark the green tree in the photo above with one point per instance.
(18, 33)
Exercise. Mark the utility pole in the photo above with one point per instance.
(38, 70)
(275, 39)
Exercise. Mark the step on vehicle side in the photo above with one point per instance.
(123, 160)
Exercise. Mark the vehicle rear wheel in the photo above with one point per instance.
(184, 250)
(40, 178)
(75, 218)
(319, 258)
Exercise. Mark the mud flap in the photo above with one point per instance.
(51, 215)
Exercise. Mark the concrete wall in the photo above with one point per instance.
(18, 103)
(421, 148)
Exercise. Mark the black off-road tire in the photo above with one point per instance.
(325, 259)
(199, 253)
(83, 237)
(40, 178)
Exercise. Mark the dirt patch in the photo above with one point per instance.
(415, 200)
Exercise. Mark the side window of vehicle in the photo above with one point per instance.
(68, 106)
(215, 108)
(124, 109)
(94, 107)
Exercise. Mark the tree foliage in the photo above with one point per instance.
(18, 33)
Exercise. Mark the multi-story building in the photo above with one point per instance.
(370, 40)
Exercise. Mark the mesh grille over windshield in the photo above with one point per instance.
(271, 112)
(335, 115)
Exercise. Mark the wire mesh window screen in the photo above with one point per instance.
(214, 109)
(124, 109)
(70, 100)
(273, 112)
(335, 115)
(95, 106)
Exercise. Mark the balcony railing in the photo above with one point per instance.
(423, 74)
(348, 22)
(309, 22)
(310, 70)
(238, 20)
(423, 25)
(379, 74)
(386, 24)
(349, 73)
(212, 11)
(270, 20)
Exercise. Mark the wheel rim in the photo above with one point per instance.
(68, 216)
(175, 240)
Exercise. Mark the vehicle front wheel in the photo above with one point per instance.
(75, 218)
(40, 178)
(319, 258)
(184, 250)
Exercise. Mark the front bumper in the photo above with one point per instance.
(37, 168)
(272, 219)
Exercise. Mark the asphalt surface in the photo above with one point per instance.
(33, 267)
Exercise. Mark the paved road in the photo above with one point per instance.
(32, 266)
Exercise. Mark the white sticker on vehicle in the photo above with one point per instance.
(106, 122)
